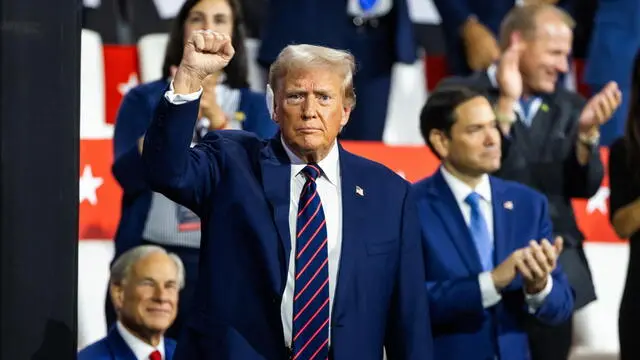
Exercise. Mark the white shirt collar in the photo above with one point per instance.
(461, 190)
(329, 165)
(140, 349)
(491, 73)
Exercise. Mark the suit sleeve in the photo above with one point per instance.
(558, 304)
(408, 334)
(131, 122)
(581, 181)
(183, 174)
(454, 12)
(455, 300)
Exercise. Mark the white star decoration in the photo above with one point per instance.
(401, 174)
(599, 201)
(132, 82)
(89, 185)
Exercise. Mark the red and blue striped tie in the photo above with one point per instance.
(311, 295)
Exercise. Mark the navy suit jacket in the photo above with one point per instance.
(614, 43)
(326, 23)
(239, 185)
(134, 117)
(488, 12)
(113, 347)
(462, 328)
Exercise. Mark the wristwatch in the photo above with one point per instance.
(590, 140)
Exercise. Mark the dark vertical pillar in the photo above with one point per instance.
(39, 140)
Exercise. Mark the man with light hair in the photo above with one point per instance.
(308, 251)
(144, 286)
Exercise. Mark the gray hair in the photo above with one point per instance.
(121, 268)
(297, 57)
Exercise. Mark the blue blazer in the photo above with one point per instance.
(489, 12)
(326, 22)
(614, 42)
(113, 347)
(239, 185)
(462, 328)
(134, 116)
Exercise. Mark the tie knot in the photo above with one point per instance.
(311, 171)
(473, 199)
(155, 355)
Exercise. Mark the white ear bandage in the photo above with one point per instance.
(270, 101)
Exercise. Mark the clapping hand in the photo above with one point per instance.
(600, 108)
(508, 73)
(537, 261)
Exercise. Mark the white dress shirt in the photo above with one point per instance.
(460, 190)
(140, 349)
(328, 186)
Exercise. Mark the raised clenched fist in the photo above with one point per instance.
(206, 52)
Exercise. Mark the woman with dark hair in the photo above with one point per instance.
(624, 182)
(226, 103)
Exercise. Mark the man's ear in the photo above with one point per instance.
(440, 142)
(346, 113)
(116, 292)
(271, 103)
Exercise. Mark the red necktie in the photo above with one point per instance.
(155, 355)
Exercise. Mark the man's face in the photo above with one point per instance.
(213, 15)
(311, 109)
(473, 145)
(147, 300)
(546, 53)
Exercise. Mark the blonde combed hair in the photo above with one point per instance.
(303, 56)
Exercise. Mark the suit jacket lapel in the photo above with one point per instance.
(118, 346)
(502, 223)
(276, 182)
(168, 349)
(353, 218)
(446, 207)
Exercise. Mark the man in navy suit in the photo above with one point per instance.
(144, 286)
(308, 251)
(487, 257)
(378, 33)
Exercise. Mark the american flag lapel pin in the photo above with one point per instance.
(508, 205)
(359, 191)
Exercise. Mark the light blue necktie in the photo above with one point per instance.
(367, 5)
(525, 104)
(480, 232)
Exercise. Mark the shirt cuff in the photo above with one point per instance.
(535, 301)
(179, 99)
(490, 295)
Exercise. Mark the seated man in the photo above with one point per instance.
(144, 286)
(488, 260)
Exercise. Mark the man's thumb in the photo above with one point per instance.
(559, 244)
